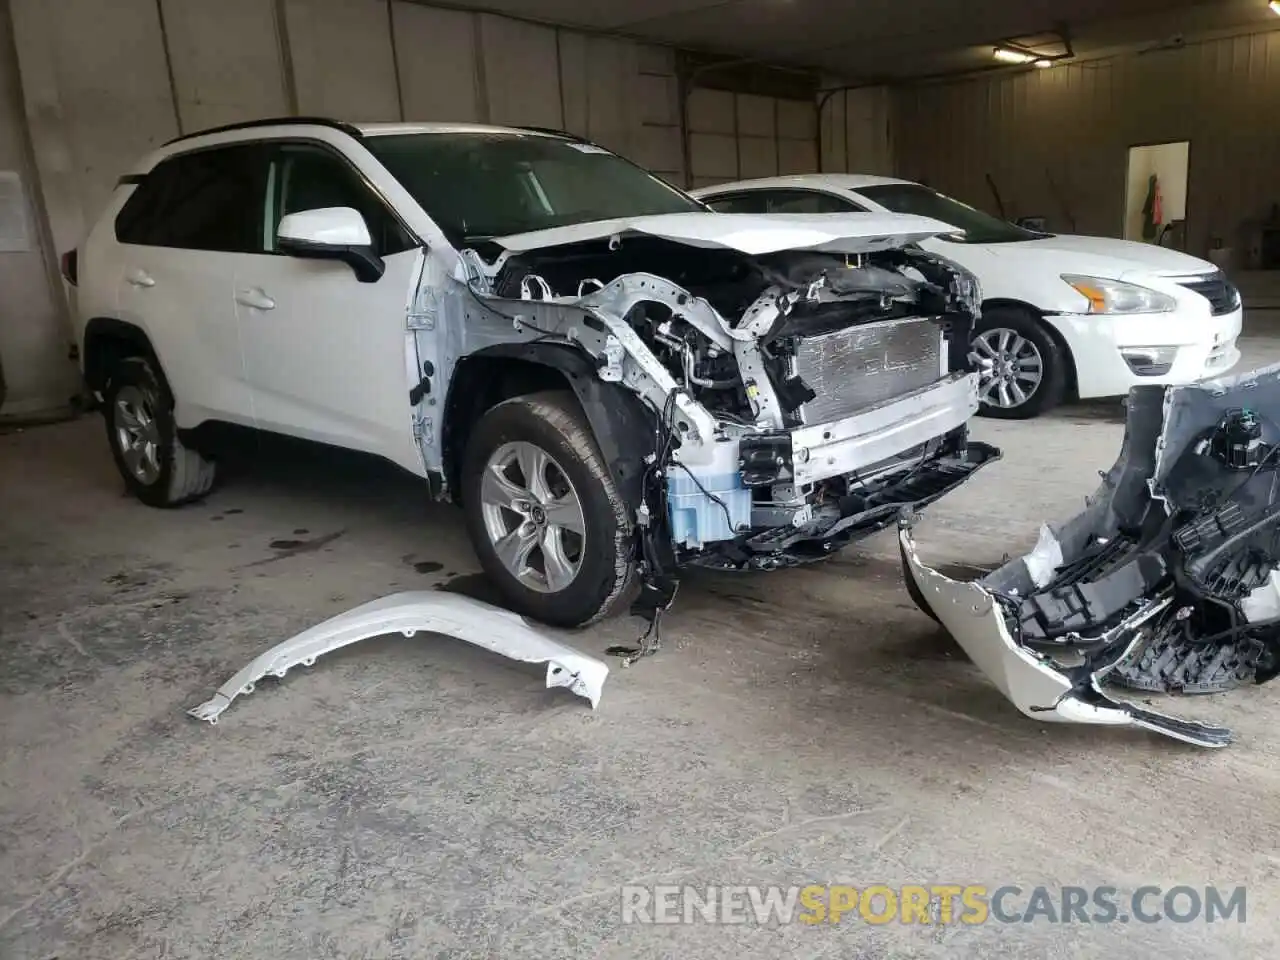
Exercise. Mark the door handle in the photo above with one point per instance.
(255, 298)
(140, 278)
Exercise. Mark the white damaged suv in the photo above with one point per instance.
(613, 380)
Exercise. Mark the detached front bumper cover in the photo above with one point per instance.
(1035, 683)
(409, 613)
(1167, 581)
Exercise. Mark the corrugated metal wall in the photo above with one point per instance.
(1056, 141)
(737, 136)
(857, 135)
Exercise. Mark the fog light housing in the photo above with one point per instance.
(1150, 361)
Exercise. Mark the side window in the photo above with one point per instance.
(739, 203)
(136, 219)
(807, 201)
(307, 177)
(206, 200)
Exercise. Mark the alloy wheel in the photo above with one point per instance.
(533, 516)
(137, 433)
(1010, 368)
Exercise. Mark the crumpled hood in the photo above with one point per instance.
(749, 233)
(1124, 256)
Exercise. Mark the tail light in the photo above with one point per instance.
(70, 267)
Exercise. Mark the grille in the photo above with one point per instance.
(1218, 290)
(861, 366)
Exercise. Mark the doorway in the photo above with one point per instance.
(1156, 202)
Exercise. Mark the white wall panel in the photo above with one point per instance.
(97, 98)
(342, 59)
(658, 98)
(522, 72)
(226, 61)
(868, 135)
(660, 61)
(439, 70)
(757, 116)
(712, 111)
(768, 136)
(33, 327)
(833, 149)
(613, 104)
(714, 155)
(757, 157)
(797, 120)
(661, 150)
(856, 132)
(660, 141)
(797, 156)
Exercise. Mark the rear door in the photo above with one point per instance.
(330, 358)
(182, 233)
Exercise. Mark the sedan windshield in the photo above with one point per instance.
(479, 185)
(976, 226)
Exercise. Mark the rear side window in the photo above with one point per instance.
(207, 200)
(738, 203)
(807, 201)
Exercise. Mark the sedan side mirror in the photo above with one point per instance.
(332, 233)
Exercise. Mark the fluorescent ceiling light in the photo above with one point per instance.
(1046, 64)
(1275, 7)
(1017, 56)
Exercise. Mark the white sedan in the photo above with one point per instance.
(1062, 315)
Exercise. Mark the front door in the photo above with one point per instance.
(327, 356)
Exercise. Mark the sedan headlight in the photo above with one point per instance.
(1115, 296)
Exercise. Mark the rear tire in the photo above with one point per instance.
(1023, 345)
(157, 468)
(536, 490)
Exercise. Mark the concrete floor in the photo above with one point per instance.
(414, 798)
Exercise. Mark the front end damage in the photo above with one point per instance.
(804, 379)
(1168, 581)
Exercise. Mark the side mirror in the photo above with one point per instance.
(332, 233)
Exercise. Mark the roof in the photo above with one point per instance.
(829, 182)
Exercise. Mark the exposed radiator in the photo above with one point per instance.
(861, 366)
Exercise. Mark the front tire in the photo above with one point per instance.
(157, 468)
(544, 515)
(1023, 369)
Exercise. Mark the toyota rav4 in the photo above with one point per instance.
(613, 380)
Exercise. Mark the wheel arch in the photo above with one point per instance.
(108, 340)
(1045, 320)
(620, 422)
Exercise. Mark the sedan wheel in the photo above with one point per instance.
(1010, 368)
(533, 516)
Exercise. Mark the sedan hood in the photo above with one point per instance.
(1125, 255)
(753, 234)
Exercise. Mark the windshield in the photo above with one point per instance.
(477, 186)
(978, 227)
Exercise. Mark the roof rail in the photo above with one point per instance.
(273, 122)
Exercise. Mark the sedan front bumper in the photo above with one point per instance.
(1197, 346)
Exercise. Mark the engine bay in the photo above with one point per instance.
(799, 399)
